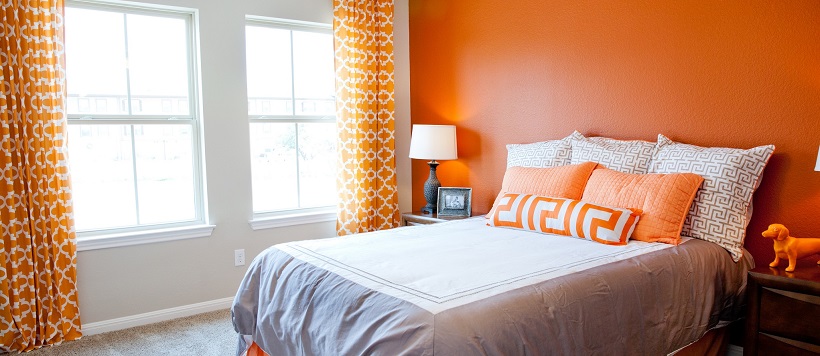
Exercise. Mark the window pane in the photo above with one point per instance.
(102, 176)
(273, 165)
(165, 178)
(95, 62)
(158, 64)
(268, 68)
(313, 73)
(317, 164)
(102, 169)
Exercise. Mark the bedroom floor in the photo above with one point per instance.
(208, 334)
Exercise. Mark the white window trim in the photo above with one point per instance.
(288, 24)
(142, 234)
(143, 237)
(293, 217)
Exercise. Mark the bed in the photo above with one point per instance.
(487, 286)
(463, 287)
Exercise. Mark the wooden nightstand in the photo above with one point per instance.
(783, 310)
(417, 218)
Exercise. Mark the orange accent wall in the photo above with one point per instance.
(710, 73)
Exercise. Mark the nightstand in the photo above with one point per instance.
(783, 310)
(417, 218)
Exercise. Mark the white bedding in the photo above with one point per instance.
(447, 276)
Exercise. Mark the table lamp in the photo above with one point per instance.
(433, 142)
(817, 166)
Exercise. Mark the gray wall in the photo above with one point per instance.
(126, 281)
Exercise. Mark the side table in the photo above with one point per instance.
(783, 310)
(418, 218)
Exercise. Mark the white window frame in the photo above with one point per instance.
(150, 233)
(297, 216)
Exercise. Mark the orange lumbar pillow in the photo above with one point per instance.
(560, 182)
(664, 199)
(570, 217)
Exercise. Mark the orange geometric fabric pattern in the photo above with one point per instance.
(366, 179)
(569, 217)
(38, 294)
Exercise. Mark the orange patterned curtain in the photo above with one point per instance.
(38, 294)
(363, 38)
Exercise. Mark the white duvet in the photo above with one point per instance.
(441, 266)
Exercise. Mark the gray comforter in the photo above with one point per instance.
(650, 304)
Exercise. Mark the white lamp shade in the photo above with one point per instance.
(817, 166)
(434, 142)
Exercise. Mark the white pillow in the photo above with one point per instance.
(544, 154)
(627, 156)
(723, 205)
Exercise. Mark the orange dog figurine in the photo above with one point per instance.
(790, 247)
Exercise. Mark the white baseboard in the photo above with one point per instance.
(100, 327)
(734, 350)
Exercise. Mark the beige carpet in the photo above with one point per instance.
(208, 334)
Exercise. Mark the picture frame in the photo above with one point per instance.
(454, 201)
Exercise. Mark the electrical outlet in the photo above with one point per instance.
(239, 257)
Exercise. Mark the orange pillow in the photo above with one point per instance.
(663, 198)
(570, 217)
(560, 182)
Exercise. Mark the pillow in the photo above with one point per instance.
(602, 224)
(540, 154)
(664, 199)
(561, 182)
(723, 206)
(624, 156)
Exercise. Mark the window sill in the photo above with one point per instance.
(143, 237)
(268, 222)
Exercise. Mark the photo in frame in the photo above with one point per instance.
(454, 201)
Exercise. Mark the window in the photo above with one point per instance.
(291, 108)
(134, 157)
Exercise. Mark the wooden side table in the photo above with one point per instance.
(419, 218)
(783, 310)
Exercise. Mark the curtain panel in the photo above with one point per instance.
(38, 294)
(363, 42)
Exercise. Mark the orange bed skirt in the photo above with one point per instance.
(714, 343)
(254, 350)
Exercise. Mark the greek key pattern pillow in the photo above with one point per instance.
(569, 217)
(627, 156)
(723, 205)
(540, 154)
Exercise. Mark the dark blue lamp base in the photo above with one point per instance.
(431, 189)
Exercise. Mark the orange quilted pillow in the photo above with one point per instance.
(663, 198)
(602, 224)
(560, 182)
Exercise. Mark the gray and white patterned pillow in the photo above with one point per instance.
(627, 156)
(540, 154)
(723, 205)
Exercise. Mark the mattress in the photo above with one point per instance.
(462, 287)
